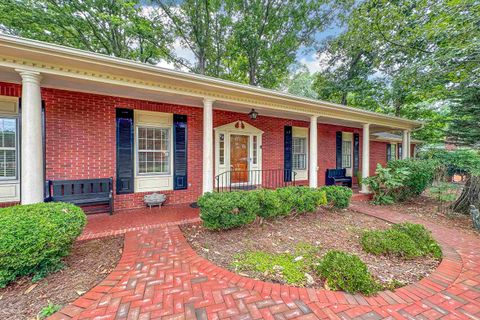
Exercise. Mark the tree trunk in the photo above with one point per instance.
(470, 196)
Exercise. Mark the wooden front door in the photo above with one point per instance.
(239, 158)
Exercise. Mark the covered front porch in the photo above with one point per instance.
(86, 116)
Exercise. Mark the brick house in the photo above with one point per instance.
(72, 114)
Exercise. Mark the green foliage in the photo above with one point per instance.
(233, 209)
(385, 183)
(35, 238)
(420, 177)
(443, 191)
(48, 310)
(464, 129)
(337, 196)
(392, 242)
(288, 267)
(116, 28)
(462, 161)
(343, 271)
(228, 210)
(405, 240)
(422, 237)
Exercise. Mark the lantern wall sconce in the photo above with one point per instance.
(253, 114)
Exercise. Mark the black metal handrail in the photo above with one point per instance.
(235, 180)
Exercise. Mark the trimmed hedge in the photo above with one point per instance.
(228, 210)
(35, 238)
(347, 272)
(337, 196)
(405, 240)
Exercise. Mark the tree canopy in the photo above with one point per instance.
(418, 59)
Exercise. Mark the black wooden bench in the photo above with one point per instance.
(334, 176)
(86, 192)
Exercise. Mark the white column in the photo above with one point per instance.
(207, 145)
(409, 139)
(32, 175)
(405, 148)
(365, 156)
(313, 173)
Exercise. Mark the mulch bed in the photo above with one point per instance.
(427, 208)
(326, 229)
(88, 264)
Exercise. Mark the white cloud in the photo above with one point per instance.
(315, 62)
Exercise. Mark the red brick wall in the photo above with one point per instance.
(80, 135)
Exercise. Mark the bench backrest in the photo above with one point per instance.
(65, 190)
(336, 173)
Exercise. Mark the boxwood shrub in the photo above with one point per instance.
(227, 210)
(337, 196)
(347, 272)
(35, 238)
(406, 240)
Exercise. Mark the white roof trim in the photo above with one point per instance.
(214, 83)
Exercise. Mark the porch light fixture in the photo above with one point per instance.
(253, 114)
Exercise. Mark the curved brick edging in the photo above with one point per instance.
(160, 275)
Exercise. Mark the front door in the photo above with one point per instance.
(239, 158)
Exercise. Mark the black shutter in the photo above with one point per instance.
(356, 153)
(338, 149)
(389, 151)
(179, 152)
(287, 153)
(125, 165)
(399, 151)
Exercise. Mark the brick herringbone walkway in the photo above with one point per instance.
(160, 276)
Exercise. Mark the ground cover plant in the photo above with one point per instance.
(406, 240)
(35, 238)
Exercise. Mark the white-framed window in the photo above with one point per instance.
(221, 148)
(392, 155)
(346, 154)
(8, 148)
(153, 150)
(299, 150)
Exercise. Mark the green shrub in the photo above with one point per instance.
(228, 210)
(405, 240)
(392, 242)
(385, 183)
(233, 209)
(337, 196)
(35, 238)
(269, 203)
(420, 177)
(422, 237)
(343, 271)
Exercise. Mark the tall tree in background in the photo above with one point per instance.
(300, 83)
(202, 27)
(268, 33)
(119, 28)
(425, 52)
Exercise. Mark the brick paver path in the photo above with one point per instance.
(160, 276)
